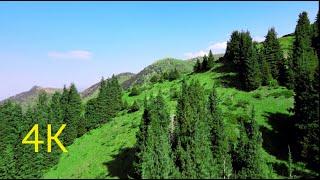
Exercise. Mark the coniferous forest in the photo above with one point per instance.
(253, 112)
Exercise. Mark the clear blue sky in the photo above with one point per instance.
(55, 43)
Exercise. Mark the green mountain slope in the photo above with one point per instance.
(107, 152)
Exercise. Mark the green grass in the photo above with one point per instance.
(89, 155)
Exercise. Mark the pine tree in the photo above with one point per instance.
(192, 132)
(90, 114)
(273, 52)
(266, 76)
(249, 72)
(220, 146)
(173, 74)
(10, 119)
(205, 64)
(197, 66)
(210, 60)
(248, 161)
(157, 156)
(141, 137)
(233, 48)
(306, 99)
(73, 115)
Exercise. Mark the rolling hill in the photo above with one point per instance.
(107, 152)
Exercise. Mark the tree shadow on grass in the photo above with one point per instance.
(122, 164)
(276, 141)
(229, 76)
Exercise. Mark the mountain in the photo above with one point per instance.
(122, 77)
(29, 97)
(160, 66)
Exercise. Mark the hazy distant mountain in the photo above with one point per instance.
(29, 97)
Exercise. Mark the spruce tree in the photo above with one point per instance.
(193, 150)
(205, 64)
(141, 137)
(233, 48)
(306, 86)
(266, 76)
(220, 146)
(197, 66)
(249, 72)
(210, 60)
(157, 162)
(72, 116)
(273, 52)
(248, 161)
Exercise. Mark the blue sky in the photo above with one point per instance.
(50, 44)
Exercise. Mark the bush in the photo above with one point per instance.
(285, 93)
(242, 103)
(273, 83)
(134, 91)
(174, 94)
(227, 101)
(135, 107)
(257, 95)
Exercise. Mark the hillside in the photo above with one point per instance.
(106, 152)
(160, 66)
(29, 97)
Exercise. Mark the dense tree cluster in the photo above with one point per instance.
(194, 143)
(20, 161)
(206, 64)
(109, 101)
(168, 75)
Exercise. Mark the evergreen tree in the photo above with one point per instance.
(266, 76)
(90, 114)
(233, 48)
(220, 146)
(173, 75)
(157, 156)
(135, 91)
(10, 118)
(248, 162)
(210, 60)
(141, 137)
(205, 64)
(193, 150)
(273, 52)
(249, 72)
(306, 86)
(197, 66)
(73, 115)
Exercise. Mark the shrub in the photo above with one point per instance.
(242, 103)
(273, 83)
(285, 93)
(134, 91)
(135, 107)
(257, 95)
(174, 94)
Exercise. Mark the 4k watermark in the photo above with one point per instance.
(50, 138)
